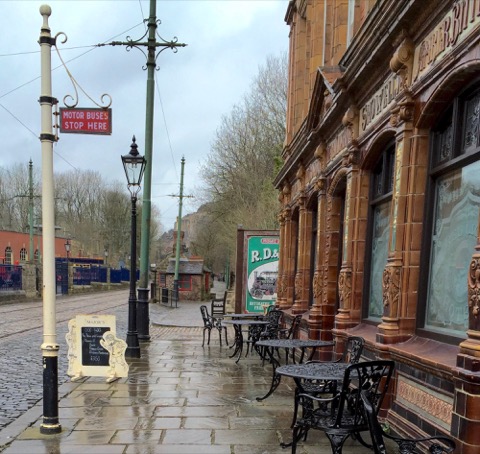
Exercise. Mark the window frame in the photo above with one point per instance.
(387, 159)
(459, 160)
(185, 283)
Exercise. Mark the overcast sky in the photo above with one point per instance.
(227, 42)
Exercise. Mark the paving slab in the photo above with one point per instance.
(179, 398)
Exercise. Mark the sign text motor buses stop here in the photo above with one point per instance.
(86, 121)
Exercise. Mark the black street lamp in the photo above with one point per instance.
(134, 165)
(67, 249)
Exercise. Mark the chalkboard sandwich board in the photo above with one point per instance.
(93, 348)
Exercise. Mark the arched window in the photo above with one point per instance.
(381, 186)
(8, 255)
(37, 256)
(23, 255)
(452, 217)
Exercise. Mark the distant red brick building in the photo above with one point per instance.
(15, 247)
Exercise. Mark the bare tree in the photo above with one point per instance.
(244, 158)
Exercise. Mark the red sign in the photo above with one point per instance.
(86, 121)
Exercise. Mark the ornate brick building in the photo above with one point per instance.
(380, 193)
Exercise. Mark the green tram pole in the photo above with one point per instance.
(179, 233)
(143, 317)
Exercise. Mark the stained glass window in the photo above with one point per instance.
(381, 224)
(380, 201)
(454, 214)
(454, 236)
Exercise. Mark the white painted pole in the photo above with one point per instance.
(49, 346)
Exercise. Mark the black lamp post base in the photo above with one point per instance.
(133, 347)
(143, 316)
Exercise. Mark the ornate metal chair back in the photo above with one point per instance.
(207, 318)
(294, 327)
(353, 350)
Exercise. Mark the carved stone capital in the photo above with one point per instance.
(320, 151)
(302, 200)
(317, 286)
(402, 61)
(298, 286)
(320, 185)
(474, 292)
(345, 288)
(391, 290)
(402, 111)
(406, 109)
(350, 121)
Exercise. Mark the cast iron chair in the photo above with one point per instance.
(218, 306)
(270, 331)
(351, 355)
(210, 323)
(342, 414)
(290, 333)
(405, 445)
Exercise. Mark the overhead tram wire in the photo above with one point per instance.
(166, 127)
(91, 48)
(36, 135)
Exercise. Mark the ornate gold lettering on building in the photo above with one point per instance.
(339, 143)
(456, 25)
(380, 101)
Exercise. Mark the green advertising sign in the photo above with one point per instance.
(262, 272)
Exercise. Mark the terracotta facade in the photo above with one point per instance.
(380, 194)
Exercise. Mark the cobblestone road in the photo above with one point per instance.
(21, 329)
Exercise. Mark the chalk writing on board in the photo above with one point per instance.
(93, 354)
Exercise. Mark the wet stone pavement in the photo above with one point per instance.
(179, 397)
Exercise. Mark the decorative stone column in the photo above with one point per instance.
(288, 275)
(344, 319)
(465, 418)
(281, 279)
(303, 255)
(322, 313)
(403, 256)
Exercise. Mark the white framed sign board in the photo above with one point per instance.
(93, 348)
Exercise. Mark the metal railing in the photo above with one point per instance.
(10, 277)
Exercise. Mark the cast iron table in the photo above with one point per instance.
(272, 345)
(245, 316)
(255, 327)
(322, 371)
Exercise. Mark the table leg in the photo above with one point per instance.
(275, 377)
(238, 342)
